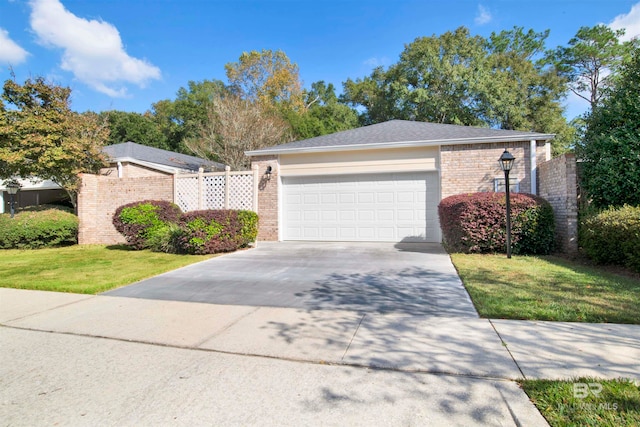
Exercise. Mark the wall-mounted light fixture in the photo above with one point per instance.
(267, 172)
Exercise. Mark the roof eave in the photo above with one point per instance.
(403, 144)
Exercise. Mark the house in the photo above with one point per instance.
(129, 160)
(126, 160)
(383, 182)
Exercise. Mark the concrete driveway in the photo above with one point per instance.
(404, 278)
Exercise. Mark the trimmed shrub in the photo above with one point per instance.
(213, 231)
(612, 236)
(39, 227)
(138, 222)
(476, 223)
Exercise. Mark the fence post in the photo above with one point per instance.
(200, 188)
(227, 184)
(175, 188)
(256, 177)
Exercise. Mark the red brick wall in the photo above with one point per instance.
(558, 185)
(100, 196)
(267, 197)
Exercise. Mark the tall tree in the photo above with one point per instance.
(181, 118)
(235, 125)
(41, 138)
(610, 150)
(324, 113)
(267, 77)
(462, 79)
(591, 59)
(135, 127)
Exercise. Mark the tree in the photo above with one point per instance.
(461, 79)
(41, 138)
(181, 118)
(610, 150)
(135, 127)
(233, 126)
(324, 113)
(266, 77)
(591, 60)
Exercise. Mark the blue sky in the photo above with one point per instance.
(128, 54)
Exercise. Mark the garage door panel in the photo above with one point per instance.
(367, 207)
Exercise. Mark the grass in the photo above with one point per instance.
(86, 269)
(616, 404)
(548, 288)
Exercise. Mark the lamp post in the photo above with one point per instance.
(12, 189)
(506, 163)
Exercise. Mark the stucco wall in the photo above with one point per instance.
(130, 170)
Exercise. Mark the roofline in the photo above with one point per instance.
(403, 144)
(151, 165)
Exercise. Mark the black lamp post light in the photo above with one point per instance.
(12, 189)
(506, 163)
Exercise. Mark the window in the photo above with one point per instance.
(498, 185)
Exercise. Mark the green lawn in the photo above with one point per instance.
(548, 288)
(616, 404)
(84, 269)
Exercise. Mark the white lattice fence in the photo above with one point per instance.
(217, 190)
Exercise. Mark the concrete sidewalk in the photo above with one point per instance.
(462, 350)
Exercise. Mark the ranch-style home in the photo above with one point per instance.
(126, 160)
(383, 182)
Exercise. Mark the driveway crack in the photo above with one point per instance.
(353, 336)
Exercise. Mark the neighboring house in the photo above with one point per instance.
(126, 160)
(129, 160)
(384, 182)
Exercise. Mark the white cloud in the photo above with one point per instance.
(93, 50)
(10, 51)
(629, 21)
(376, 62)
(483, 16)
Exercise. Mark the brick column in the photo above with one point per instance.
(267, 197)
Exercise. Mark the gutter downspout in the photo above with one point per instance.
(533, 156)
(119, 169)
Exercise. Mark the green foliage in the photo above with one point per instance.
(268, 78)
(612, 236)
(466, 80)
(214, 231)
(324, 113)
(139, 128)
(591, 60)
(610, 150)
(41, 138)
(476, 223)
(38, 227)
(144, 223)
(159, 226)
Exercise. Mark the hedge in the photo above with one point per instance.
(213, 231)
(161, 227)
(476, 223)
(612, 236)
(139, 221)
(39, 227)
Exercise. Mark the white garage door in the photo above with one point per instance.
(372, 207)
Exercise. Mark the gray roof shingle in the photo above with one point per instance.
(156, 155)
(402, 131)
